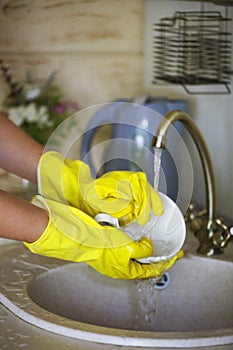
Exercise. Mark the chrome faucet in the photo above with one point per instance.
(211, 232)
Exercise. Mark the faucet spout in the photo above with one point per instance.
(159, 141)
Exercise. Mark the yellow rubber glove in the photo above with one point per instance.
(123, 194)
(75, 236)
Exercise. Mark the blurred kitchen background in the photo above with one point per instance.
(102, 51)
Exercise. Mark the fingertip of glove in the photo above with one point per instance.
(158, 211)
(180, 254)
(157, 204)
(144, 248)
(146, 241)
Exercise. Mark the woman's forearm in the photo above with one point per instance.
(19, 153)
(21, 220)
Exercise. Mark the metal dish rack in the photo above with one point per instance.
(193, 48)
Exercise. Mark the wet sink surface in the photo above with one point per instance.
(199, 297)
(195, 309)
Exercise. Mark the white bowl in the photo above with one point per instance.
(167, 233)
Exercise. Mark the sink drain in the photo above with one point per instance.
(163, 282)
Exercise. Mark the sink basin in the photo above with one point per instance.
(190, 307)
(196, 303)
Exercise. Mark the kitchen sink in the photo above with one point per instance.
(190, 307)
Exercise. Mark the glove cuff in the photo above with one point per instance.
(57, 240)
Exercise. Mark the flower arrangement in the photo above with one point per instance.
(37, 110)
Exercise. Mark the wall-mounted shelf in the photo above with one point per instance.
(192, 48)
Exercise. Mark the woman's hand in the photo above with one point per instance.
(123, 194)
(75, 236)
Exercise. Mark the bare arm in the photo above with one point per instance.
(20, 220)
(19, 154)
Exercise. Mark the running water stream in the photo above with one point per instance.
(146, 288)
(157, 166)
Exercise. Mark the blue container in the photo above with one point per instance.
(132, 129)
